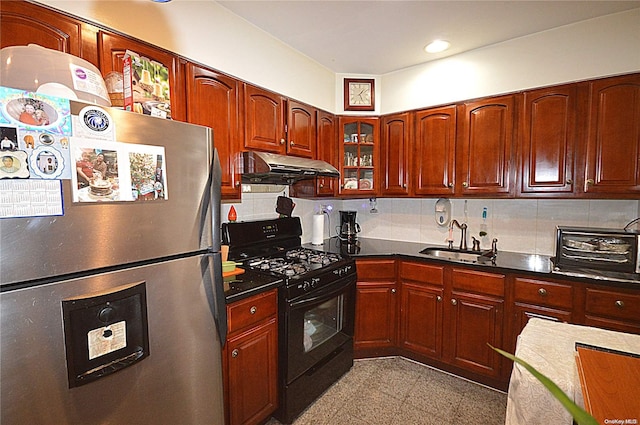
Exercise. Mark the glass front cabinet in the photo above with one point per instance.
(359, 153)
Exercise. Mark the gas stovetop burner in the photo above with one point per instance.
(314, 257)
(295, 262)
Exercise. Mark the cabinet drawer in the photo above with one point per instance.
(376, 270)
(540, 292)
(422, 273)
(474, 281)
(246, 313)
(613, 304)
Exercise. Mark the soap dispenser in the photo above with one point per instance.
(443, 212)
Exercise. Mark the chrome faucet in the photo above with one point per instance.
(463, 238)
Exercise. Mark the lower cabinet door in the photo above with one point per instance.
(253, 366)
(421, 319)
(375, 315)
(474, 322)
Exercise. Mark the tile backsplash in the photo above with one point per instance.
(520, 225)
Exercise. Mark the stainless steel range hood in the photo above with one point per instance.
(269, 168)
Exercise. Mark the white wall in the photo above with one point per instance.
(602, 46)
(205, 32)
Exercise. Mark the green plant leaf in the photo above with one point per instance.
(579, 414)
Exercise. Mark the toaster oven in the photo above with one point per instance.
(581, 249)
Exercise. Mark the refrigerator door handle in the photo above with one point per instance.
(214, 289)
(215, 200)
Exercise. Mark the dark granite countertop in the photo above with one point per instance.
(505, 261)
(247, 284)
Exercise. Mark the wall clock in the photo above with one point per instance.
(359, 94)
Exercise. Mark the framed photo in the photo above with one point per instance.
(359, 94)
(13, 165)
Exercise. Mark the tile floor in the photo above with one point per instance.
(398, 391)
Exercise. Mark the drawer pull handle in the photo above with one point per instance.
(620, 304)
(454, 301)
(542, 292)
(253, 310)
(235, 353)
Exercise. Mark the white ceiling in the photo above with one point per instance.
(378, 37)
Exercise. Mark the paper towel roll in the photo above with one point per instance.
(317, 236)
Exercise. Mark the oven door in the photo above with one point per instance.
(318, 323)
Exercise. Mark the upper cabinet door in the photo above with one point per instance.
(485, 146)
(264, 120)
(327, 146)
(301, 130)
(23, 23)
(213, 101)
(395, 154)
(613, 144)
(548, 139)
(112, 48)
(434, 153)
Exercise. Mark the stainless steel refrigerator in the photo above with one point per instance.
(114, 313)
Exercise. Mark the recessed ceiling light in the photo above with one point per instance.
(437, 46)
(161, 1)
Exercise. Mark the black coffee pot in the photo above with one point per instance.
(348, 228)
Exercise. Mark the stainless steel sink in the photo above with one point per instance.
(452, 255)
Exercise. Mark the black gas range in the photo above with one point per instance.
(316, 306)
(274, 247)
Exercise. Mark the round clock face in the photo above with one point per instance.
(360, 94)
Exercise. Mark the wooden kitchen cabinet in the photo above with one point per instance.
(434, 152)
(359, 154)
(485, 145)
(213, 100)
(376, 302)
(301, 129)
(275, 124)
(23, 23)
(112, 48)
(473, 319)
(264, 120)
(613, 143)
(421, 307)
(326, 126)
(395, 154)
(250, 360)
(544, 299)
(612, 308)
(548, 138)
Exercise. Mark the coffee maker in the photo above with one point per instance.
(348, 228)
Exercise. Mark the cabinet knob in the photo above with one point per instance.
(291, 143)
(542, 292)
(235, 353)
(454, 301)
(620, 304)
(253, 309)
(465, 184)
(393, 291)
(237, 184)
(590, 182)
(569, 181)
(439, 298)
(404, 185)
(282, 141)
(450, 184)
(321, 186)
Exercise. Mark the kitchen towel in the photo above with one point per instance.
(317, 236)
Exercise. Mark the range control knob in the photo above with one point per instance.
(315, 281)
(306, 286)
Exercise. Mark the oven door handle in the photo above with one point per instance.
(326, 293)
